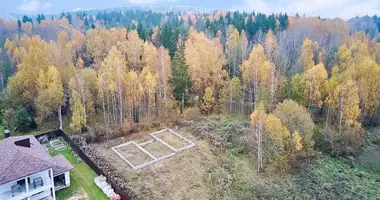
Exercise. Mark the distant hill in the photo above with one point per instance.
(155, 8)
(92, 11)
(9, 16)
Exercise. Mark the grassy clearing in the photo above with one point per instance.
(323, 178)
(82, 179)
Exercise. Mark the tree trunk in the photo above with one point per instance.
(256, 89)
(327, 118)
(121, 105)
(2, 82)
(83, 97)
(341, 99)
(272, 89)
(60, 117)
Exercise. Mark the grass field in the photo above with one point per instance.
(82, 180)
(323, 178)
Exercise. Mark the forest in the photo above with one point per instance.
(305, 86)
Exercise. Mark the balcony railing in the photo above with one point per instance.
(21, 192)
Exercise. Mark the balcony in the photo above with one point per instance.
(17, 190)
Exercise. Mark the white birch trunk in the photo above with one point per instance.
(60, 117)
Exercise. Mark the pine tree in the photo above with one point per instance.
(142, 32)
(180, 80)
(39, 18)
(19, 24)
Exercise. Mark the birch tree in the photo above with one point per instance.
(50, 95)
(315, 80)
(345, 100)
(205, 59)
(111, 73)
(258, 118)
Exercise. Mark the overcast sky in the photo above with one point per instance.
(324, 8)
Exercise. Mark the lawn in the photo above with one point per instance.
(82, 179)
(324, 177)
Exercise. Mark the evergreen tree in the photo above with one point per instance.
(69, 17)
(181, 79)
(142, 32)
(86, 24)
(272, 22)
(168, 39)
(283, 19)
(19, 24)
(38, 18)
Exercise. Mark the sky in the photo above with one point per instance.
(325, 8)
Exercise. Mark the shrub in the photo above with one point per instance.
(296, 118)
(98, 133)
(23, 121)
(128, 128)
(347, 143)
(233, 132)
(8, 115)
(193, 114)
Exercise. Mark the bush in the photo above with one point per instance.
(193, 114)
(23, 121)
(347, 143)
(233, 132)
(128, 128)
(8, 116)
(98, 133)
(296, 118)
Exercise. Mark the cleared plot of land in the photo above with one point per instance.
(180, 177)
(172, 139)
(133, 154)
(157, 149)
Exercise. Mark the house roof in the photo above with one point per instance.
(61, 165)
(18, 161)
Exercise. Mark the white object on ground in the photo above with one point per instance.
(101, 182)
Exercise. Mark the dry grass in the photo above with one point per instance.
(172, 139)
(181, 176)
(157, 149)
(134, 154)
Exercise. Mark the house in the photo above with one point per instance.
(28, 172)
